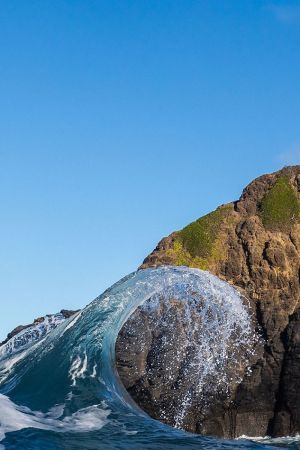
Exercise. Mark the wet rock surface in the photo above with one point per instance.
(253, 244)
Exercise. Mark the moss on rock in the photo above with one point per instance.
(280, 207)
(181, 257)
(198, 238)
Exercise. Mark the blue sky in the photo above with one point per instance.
(122, 121)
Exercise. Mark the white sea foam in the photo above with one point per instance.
(30, 335)
(72, 322)
(284, 440)
(94, 372)
(78, 368)
(14, 418)
(27, 340)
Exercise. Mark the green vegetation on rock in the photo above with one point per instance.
(280, 207)
(199, 237)
(183, 258)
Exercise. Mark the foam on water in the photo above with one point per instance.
(30, 335)
(14, 418)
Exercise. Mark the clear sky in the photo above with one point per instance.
(122, 121)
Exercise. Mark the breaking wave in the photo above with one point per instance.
(59, 388)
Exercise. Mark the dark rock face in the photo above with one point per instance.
(186, 353)
(254, 244)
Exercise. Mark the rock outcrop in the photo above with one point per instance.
(253, 244)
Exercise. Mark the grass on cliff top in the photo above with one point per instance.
(198, 238)
(280, 207)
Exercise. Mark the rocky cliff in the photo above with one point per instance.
(253, 244)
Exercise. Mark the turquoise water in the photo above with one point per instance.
(59, 388)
